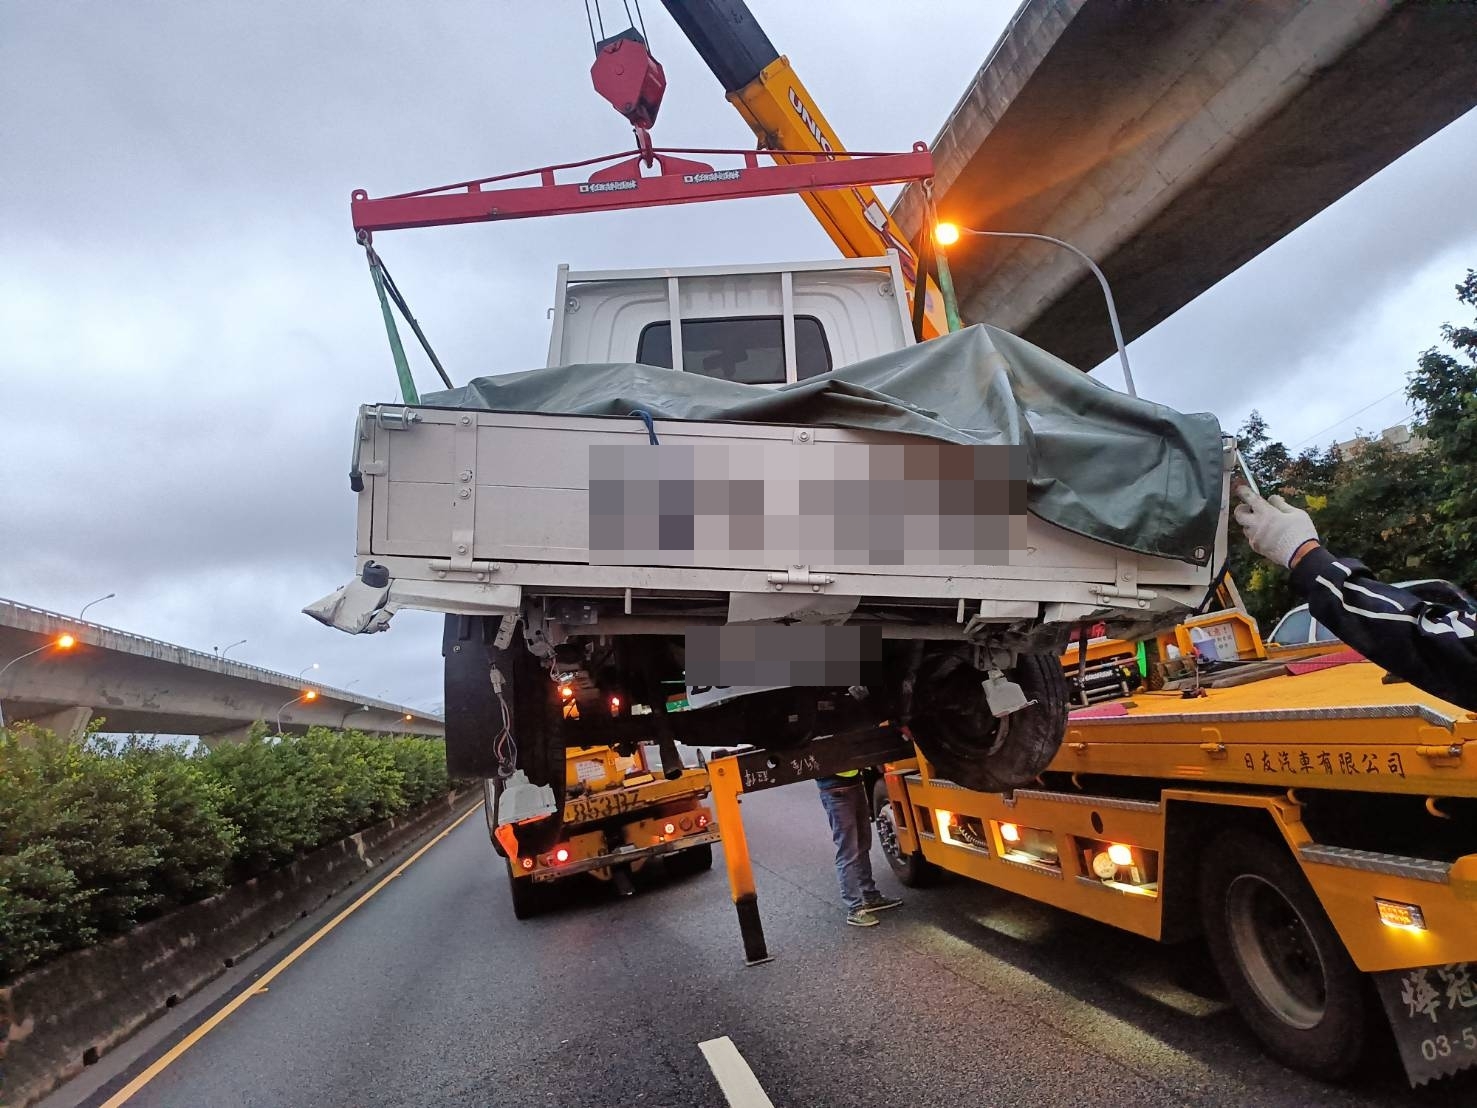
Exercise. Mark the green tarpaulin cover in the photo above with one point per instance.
(1103, 464)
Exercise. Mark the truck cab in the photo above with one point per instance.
(758, 325)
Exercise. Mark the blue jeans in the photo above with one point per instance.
(845, 801)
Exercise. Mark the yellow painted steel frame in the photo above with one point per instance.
(727, 786)
(784, 116)
(643, 834)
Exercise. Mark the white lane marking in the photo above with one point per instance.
(735, 1078)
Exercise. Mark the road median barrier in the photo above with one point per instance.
(66, 1014)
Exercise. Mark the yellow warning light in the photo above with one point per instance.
(945, 234)
(1120, 854)
(1010, 832)
(1394, 913)
(65, 642)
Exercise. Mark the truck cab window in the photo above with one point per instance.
(747, 349)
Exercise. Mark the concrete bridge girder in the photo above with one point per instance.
(1173, 143)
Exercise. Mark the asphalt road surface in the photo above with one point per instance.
(432, 993)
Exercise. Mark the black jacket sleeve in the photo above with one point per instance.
(1430, 645)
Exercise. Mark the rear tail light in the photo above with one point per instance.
(686, 822)
(561, 855)
(526, 863)
(669, 829)
(702, 819)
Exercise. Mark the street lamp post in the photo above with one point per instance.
(224, 650)
(90, 603)
(947, 233)
(308, 695)
(311, 665)
(353, 712)
(61, 642)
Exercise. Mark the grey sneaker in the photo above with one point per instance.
(881, 904)
(861, 918)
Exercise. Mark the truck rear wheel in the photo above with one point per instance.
(695, 859)
(912, 870)
(528, 896)
(952, 724)
(1280, 958)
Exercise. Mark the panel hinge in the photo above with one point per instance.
(800, 575)
(395, 419)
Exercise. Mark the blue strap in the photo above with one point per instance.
(645, 417)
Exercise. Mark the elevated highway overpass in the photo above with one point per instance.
(136, 684)
(1173, 142)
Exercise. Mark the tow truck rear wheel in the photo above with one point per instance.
(528, 896)
(1280, 958)
(952, 724)
(912, 870)
(695, 859)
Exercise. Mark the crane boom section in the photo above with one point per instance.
(783, 115)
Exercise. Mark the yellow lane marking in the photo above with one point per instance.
(260, 985)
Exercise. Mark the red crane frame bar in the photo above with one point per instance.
(622, 186)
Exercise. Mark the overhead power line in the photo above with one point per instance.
(1348, 417)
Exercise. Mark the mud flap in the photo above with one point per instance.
(473, 716)
(1433, 1013)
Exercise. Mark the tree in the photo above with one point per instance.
(1403, 513)
(1443, 391)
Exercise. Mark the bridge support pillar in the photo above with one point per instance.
(68, 723)
(231, 735)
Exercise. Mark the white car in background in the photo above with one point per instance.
(1299, 628)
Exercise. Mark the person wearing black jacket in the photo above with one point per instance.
(1428, 642)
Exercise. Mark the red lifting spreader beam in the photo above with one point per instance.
(622, 186)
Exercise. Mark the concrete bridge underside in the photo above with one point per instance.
(137, 684)
(1173, 142)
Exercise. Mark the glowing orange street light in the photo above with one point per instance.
(64, 641)
(408, 717)
(307, 696)
(945, 234)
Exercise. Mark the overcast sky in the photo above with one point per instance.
(186, 325)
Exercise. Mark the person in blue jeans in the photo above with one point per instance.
(845, 801)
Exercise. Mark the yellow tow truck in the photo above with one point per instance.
(1314, 819)
(618, 816)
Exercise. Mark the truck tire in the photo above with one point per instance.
(695, 859)
(912, 870)
(527, 895)
(1283, 964)
(952, 724)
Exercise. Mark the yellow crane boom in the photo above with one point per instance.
(764, 87)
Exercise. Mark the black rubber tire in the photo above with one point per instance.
(528, 896)
(912, 870)
(959, 743)
(695, 859)
(1312, 1009)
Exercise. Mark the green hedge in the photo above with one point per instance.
(98, 835)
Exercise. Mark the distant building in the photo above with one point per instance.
(1400, 437)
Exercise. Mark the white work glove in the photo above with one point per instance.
(1273, 527)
